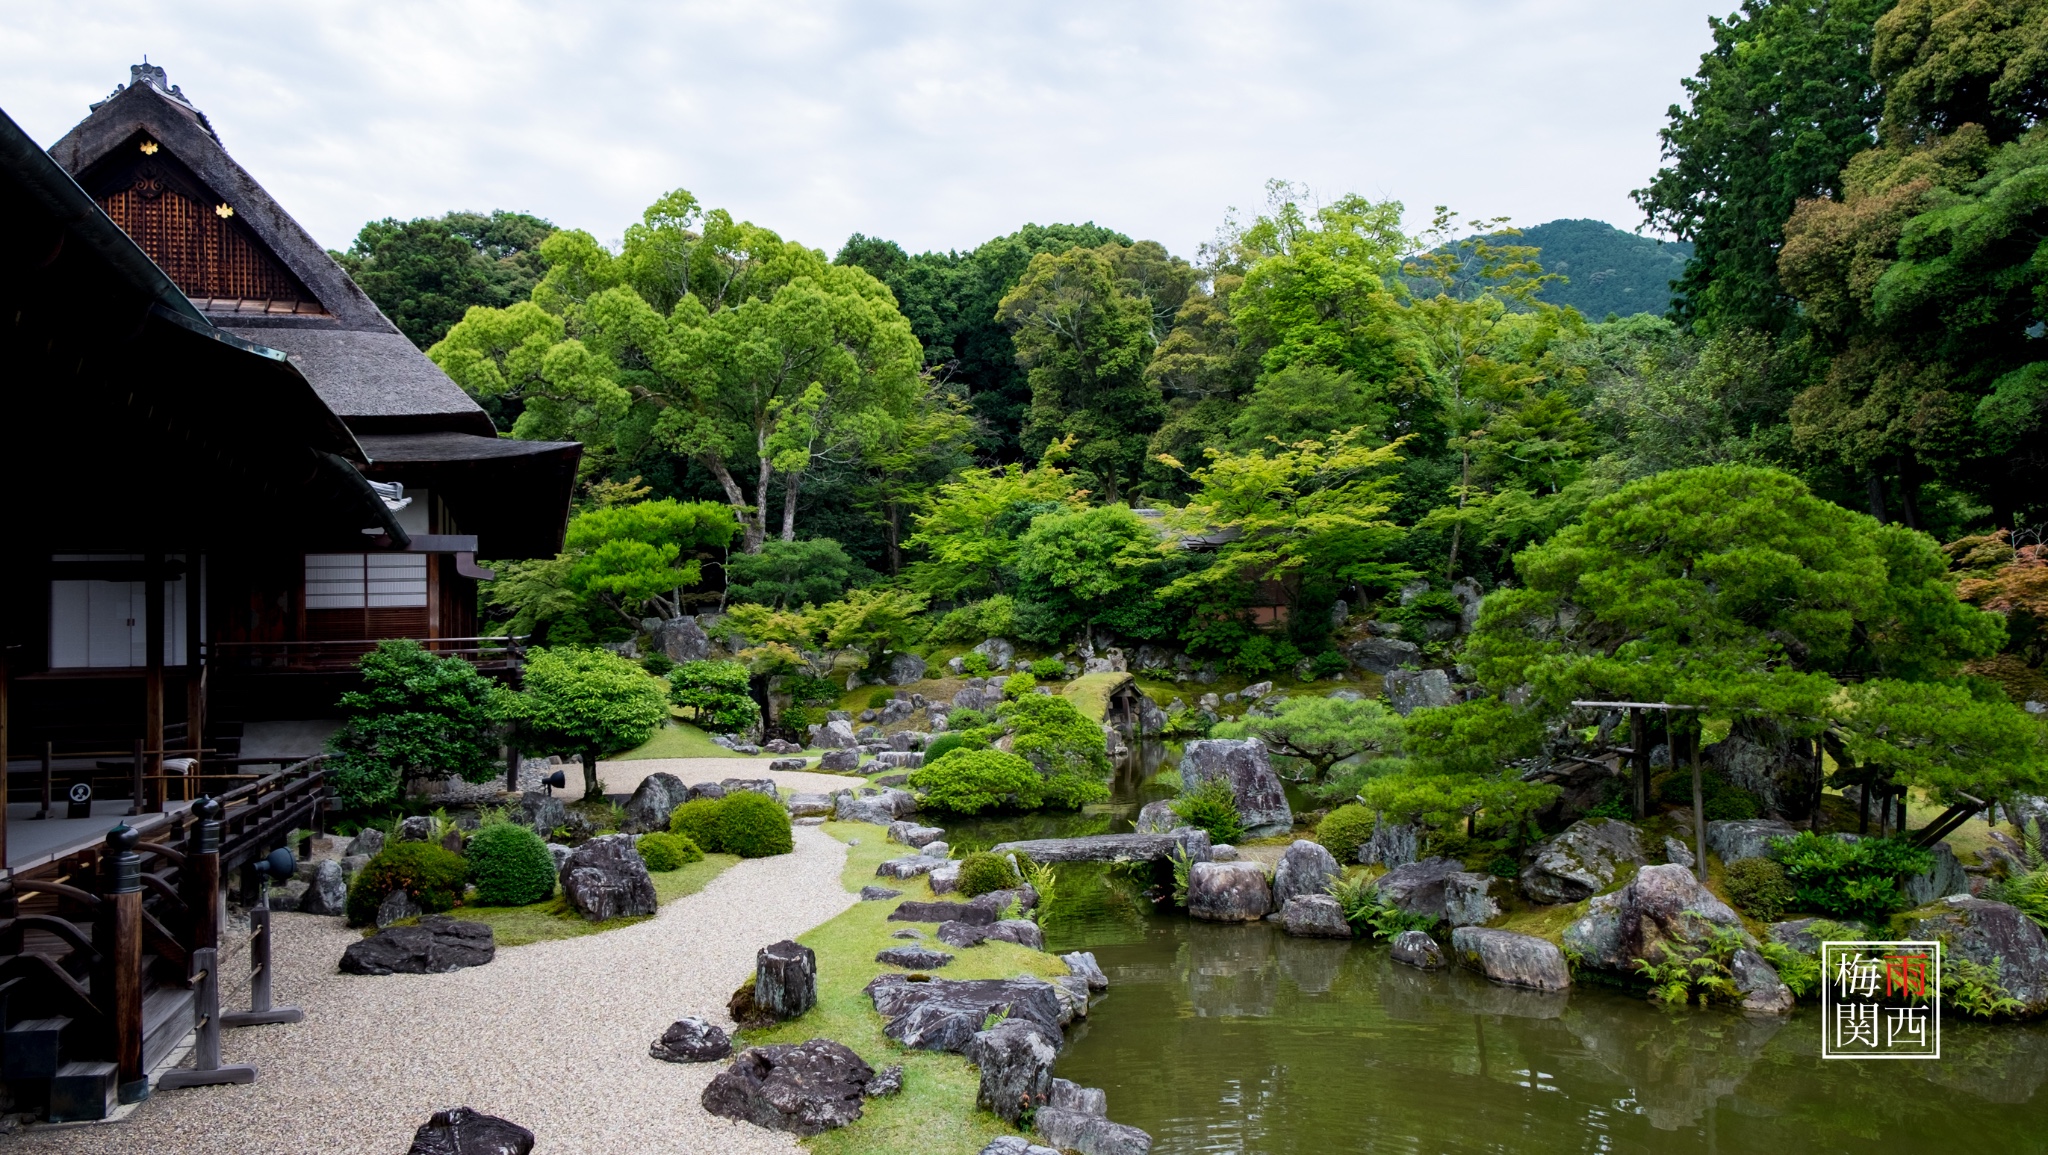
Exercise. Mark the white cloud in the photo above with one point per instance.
(938, 125)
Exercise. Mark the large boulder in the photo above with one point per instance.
(1021, 931)
(810, 805)
(464, 1131)
(911, 834)
(653, 801)
(1763, 992)
(1392, 844)
(1015, 1145)
(691, 1040)
(1228, 892)
(1314, 916)
(1441, 888)
(1305, 869)
(1083, 964)
(1737, 839)
(1985, 932)
(1113, 847)
(970, 912)
(605, 878)
(1517, 960)
(1245, 764)
(903, 669)
(1760, 755)
(805, 1089)
(999, 652)
(436, 945)
(682, 640)
(1416, 949)
(542, 813)
(1015, 1058)
(879, 806)
(1582, 861)
(945, 1015)
(785, 979)
(1937, 882)
(328, 893)
(1660, 908)
(1090, 1134)
(1156, 818)
(1410, 690)
(1383, 655)
(839, 761)
(836, 734)
(368, 841)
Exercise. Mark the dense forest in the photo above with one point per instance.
(1735, 491)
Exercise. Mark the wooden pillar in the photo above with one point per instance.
(4, 737)
(201, 875)
(195, 681)
(120, 947)
(1699, 809)
(1639, 758)
(153, 679)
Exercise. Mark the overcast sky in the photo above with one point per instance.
(936, 125)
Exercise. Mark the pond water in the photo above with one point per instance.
(1222, 1038)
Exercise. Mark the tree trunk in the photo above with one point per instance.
(591, 789)
(895, 527)
(1876, 490)
(750, 525)
(1909, 509)
(791, 483)
(761, 501)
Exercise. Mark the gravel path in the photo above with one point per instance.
(624, 777)
(552, 1036)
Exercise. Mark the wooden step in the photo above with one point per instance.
(33, 1048)
(166, 1020)
(83, 1092)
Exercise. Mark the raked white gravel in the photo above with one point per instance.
(551, 1035)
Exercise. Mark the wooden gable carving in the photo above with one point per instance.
(192, 234)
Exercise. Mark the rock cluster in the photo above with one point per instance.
(1582, 861)
(437, 945)
(1441, 888)
(605, 878)
(805, 1089)
(1246, 765)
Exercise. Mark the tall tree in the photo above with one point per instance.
(426, 273)
(1779, 104)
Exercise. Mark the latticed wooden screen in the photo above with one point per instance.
(200, 243)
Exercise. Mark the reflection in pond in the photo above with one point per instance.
(1222, 1038)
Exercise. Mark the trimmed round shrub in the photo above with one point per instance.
(1017, 685)
(1759, 887)
(510, 865)
(697, 820)
(946, 743)
(1343, 830)
(971, 781)
(982, 872)
(881, 697)
(664, 852)
(753, 825)
(719, 693)
(1048, 669)
(430, 873)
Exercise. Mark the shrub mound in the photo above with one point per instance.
(971, 781)
(431, 874)
(1343, 830)
(1048, 669)
(665, 852)
(510, 865)
(744, 823)
(946, 743)
(982, 872)
(1854, 879)
(1212, 807)
(1760, 888)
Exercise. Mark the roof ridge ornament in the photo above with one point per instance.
(154, 76)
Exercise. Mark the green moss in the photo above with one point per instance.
(935, 1111)
(679, 739)
(982, 872)
(1090, 693)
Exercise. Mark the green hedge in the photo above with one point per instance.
(430, 873)
(664, 852)
(510, 866)
(1343, 830)
(745, 823)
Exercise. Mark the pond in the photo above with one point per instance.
(1220, 1038)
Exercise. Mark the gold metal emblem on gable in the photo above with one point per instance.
(223, 210)
(149, 148)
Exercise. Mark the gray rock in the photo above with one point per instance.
(839, 761)
(1517, 960)
(437, 945)
(397, 907)
(1228, 892)
(1305, 869)
(1582, 861)
(785, 979)
(653, 801)
(810, 805)
(464, 1131)
(1013, 1145)
(1416, 949)
(888, 1082)
(691, 1040)
(605, 878)
(1223, 852)
(904, 869)
(1797, 933)
(287, 895)
(1000, 653)
(1314, 916)
(1073, 993)
(1678, 852)
(1068, 1095)
(1392, 844)
(907, 741)
(1986, 932)
(755, 785)
(1255, 691)
(1383, 655)
(1089, 1134)
(943, 912)
(877, 893)
(788, 763)
(1410, 690)
(328, 893)
(418, 828)
(711, 790)
(1441, 888)
(352, 865)
(804, 1089)
(1015, 1058)
(1102, 848)
(911, 834)
(1245, 764)
(1737, 839)
(1763, 992)
(542, 812)
(1661, 905)
(935, 849)
(903, 669)
(1083, 964)
(836, 734)
(682, 640)
(1944, 878)
(368, 841)
(1156, 818)
(1021, 931)
(963, 934)
(881, 807)
(944, 878)
(945, 1014)
(1209, 702)
(560, 853)
(916, 958)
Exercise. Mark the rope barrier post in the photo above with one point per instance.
(260, 1012)
(206, 1070)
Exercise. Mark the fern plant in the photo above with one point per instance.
(1697, 974)
(2027, 891)
(1369, 912)
(1977, 990)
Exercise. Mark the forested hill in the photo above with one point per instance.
(1606, 270)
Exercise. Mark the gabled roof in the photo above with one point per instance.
(148, 136)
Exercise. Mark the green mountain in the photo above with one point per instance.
(1606, 270)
